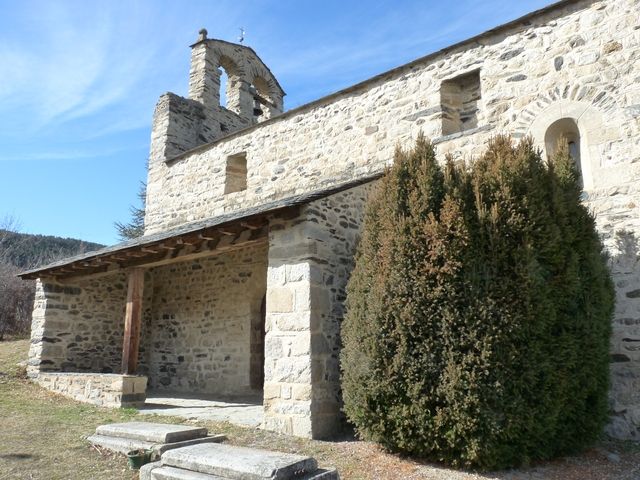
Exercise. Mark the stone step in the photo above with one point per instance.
(119, 444)
(156, 471)
(239, 463)
(163, 447)
(125, 445)
(152, 432)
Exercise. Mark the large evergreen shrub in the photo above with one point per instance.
(478, 321)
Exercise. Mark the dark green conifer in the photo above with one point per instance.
(479, 311)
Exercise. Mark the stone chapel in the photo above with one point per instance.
(253, 213)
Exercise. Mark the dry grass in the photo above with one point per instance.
(42, 436)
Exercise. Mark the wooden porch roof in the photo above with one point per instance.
(197, 239)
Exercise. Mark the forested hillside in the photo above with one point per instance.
(25, 251)
(22, 251)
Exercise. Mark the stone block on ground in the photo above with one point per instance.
(239, 463)
(152, 432)
(119, 444)
(155, 471)
(147, 470)
(172, 473)
(164, 447)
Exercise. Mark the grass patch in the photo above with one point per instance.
(43, 437)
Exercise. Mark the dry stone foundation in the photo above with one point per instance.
(210, 321)
(105, 390)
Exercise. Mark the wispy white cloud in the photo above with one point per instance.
(81, 64)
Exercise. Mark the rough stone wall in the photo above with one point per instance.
(585, 51)
(310, 259)
(78, 328)
(197, 333)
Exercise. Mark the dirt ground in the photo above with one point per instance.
(42, 436)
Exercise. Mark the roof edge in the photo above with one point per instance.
(216, 221)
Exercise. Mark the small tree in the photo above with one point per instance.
(478, 321)
(135, 227)
(16, 301)
(16, 295)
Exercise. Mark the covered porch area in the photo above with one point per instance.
(236, 317)
(179, 315)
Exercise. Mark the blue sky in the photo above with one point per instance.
(79, 81)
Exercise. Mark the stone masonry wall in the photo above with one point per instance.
(197, 332)
(78, 328)
(310, 259)
(585, 51)
(577, 61)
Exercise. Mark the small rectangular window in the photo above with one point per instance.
(236, 173)
(460, 102)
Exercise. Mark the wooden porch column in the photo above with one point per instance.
(132, 320)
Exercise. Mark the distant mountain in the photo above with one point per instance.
(28, 251)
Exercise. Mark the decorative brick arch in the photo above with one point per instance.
(586, 106)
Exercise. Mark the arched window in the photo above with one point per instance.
(564, 130)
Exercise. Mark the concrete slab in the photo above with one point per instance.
(152, 432)
(246, 411)
(239, 463)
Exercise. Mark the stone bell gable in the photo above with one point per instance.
(252, 95)
(253, 213)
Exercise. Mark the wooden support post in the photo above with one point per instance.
(132, 321)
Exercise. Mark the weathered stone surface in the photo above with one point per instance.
(147, 470)
(238, 463)
(302, 345)
(245, 410)
(152, 432)
(124, 437)
(106, 390)
(125, 445)
(163, 447)
(83, 329)
(119, 444)
(172, 473)
(158, 472)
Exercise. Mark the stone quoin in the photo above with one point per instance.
(253, 213)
